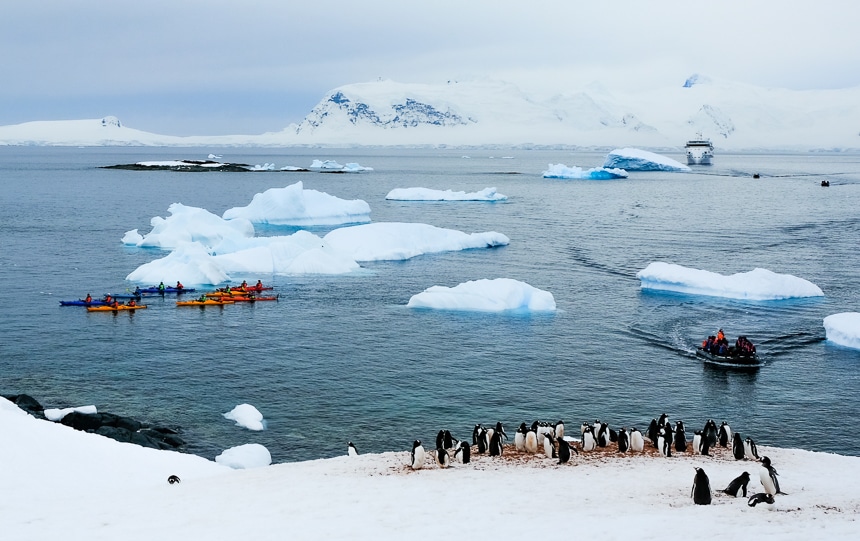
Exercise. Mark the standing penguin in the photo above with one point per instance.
(559, 429)
(663, 421)
(442, 458)
(750, 449)
(440, 438)
(582, 427)
(520, 438)
(664, 441)
(653, 432)
(768, 477)
(706, 445)
(739, 482)
(463, 452)
(549, 446)
(701, 492)
(417, 455)
(680, 437)
(447, 440)
(531, 442)
(623, 440)
(500, 428)
(710, 433)
(738, 446)
(697, 442)
(351, 450)
(725, 434)
(481, 439)
(564, 450)
(603, 435)
(637, 442)
(496, 444)
(589, 442)
(488, 436)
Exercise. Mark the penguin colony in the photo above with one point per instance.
(597, 439)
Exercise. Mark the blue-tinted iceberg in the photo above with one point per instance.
(397, 241)
(843, 329)
(757, 284)
(189, 224)
(633, 159)
(427, 194)
(576, 173)
(499, 295)
(293, 205)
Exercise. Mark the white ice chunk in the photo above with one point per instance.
(843, 329)
(250, 455)
(427, 194)
(634, 159)
(576, 173)
(497, 295)
(247, 416)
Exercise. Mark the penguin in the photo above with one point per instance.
(613, 436)
(750, 450)
(559, 430)
(710, 433)
(697, 442)
(543, 430)
(351, 450)
(664, 441)
(496, 444)
(637, 442)
(440, 438)
(447, 440)
(549, 446)
(500, 428)
(520, 438)
(738, 483)
(653, 432)
(589, 442)
(603, 435)
(738, 447)
(725, 435)
(564, 451)
(488, 436)
(664, 420)
(463, 452)
(480, 439)
(442, 458)
(701, 492)
(475, 432)
(417, 461)
(623, 440)
(768, 477)
(173, 480)
(706, 445)
(761, 497)
(680, 437)
(582, 427)
(531, 442)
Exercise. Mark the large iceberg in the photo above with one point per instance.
(757, 284)
(576, 173)
(633, 159)
(843, 329)
(501, 294)
(294, 205)
(427, 194)
(189, 224)
(397, 241)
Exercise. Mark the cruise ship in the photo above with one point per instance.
(699, 151)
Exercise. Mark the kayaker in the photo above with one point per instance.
(132, 303)
(244, 285)
(137, 291)
(179, 285)
(202, 298)
(161, 287)
(107, 299)
(114, 304)
(89, 299)
(259, 285)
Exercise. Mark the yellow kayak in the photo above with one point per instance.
(115, 309)
(207, 302)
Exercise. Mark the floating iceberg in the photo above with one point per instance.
(757, 284)
(293, 205)
(247, 416)
(633, 159)
(331, 166)
(501, 294)
(576, 173)
(250, 455)
(189, 224)
(190, 263)
(397, 241)
(427, 194)
(843, 329)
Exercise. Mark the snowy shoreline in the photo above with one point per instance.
(93, 488)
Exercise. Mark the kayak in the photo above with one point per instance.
(82, 302)
(253, 299)
(118, 308)
(126, 297)
(167, 290)
(221, 294)
(207, 302)
(252, 288)
(734, 361)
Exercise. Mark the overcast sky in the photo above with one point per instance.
(186, 67)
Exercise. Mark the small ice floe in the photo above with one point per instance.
(562, 171)
(427, 194)
(843, 329)
(247, 416)
(498, 295)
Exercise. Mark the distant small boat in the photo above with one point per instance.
(699, 151)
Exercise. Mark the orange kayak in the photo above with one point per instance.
(236, 298)
(115, 309)
(207, 302)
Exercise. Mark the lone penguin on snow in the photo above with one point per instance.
(769, 477)
(738, 483)
(701, 492)
(417, 460)
(351, 450)
(750, 450)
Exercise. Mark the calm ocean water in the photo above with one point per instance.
(340, 358)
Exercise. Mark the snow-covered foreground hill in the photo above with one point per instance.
(64, 484)
(493, 113)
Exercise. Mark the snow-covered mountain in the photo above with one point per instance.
(495, 113)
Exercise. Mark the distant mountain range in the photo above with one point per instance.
(493, 113)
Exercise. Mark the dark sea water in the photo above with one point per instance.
(340, 358)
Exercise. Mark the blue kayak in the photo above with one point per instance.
(82, 302)
(126, 297)
(167, 290)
